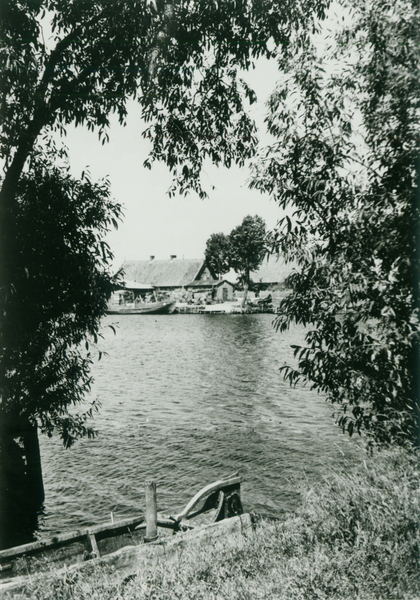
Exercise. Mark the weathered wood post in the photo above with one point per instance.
(151, 512)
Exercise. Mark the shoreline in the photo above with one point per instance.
(355, 536)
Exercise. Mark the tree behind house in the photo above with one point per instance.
(247, 249)
(217, 253)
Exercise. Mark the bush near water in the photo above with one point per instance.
(355, 535)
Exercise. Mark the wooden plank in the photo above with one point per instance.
(205, 491)
(219, 505)
(41, 545)
(67, 538)
(94, 545)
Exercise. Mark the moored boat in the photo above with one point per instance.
(142, 308)
(135, 298)
(215, 502)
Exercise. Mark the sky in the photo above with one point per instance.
(153, 223)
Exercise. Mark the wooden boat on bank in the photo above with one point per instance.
(215, 502)
(142, 308)
(133, 298)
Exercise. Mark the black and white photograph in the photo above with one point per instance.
(210, 299)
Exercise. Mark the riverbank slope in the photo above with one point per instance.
(356, 535)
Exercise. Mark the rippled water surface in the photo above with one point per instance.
(185, 400)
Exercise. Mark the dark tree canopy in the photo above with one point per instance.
(61, 282)
(217, 253)
(178, 59)
(347, 162)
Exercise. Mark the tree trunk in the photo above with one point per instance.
(246, 286)
(21, 484)
(33, 464)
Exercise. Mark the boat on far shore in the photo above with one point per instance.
(134, 298)
(142, 308)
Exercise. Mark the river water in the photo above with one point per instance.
(187, 399)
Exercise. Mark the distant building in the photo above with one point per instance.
(196, 277)
(171, 274)
(273, 272)
(220, 290)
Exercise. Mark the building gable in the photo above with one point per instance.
(205, 273)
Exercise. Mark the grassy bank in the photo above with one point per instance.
(355, 536)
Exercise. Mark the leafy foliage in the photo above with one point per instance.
(248, 248)
(77, 63)
(178, 59)
(61, 283)
(242, 250)
(217, 253)
(346, 160)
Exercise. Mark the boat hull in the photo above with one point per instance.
(215, 502)
(153, 308)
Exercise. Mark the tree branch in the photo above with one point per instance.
(41, 115)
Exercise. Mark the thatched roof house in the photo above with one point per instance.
(168, 274)
(273, 271)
